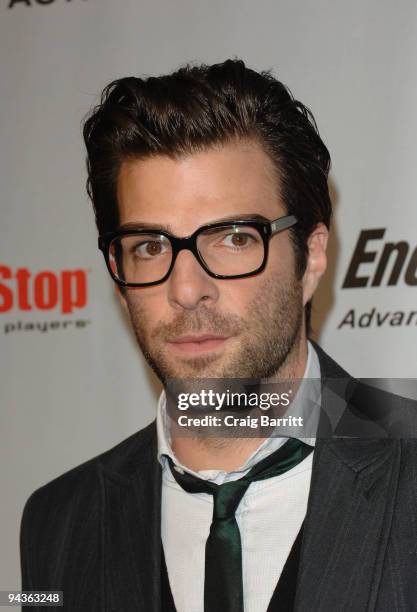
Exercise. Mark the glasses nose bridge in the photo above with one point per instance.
(189, 243)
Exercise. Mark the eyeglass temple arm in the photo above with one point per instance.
(283, 223)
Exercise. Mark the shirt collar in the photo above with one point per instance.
(308, 395)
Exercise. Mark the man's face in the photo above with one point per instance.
(255, 323)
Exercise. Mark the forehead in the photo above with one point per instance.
(236, 178)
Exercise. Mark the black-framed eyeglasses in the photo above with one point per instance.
(225, 249)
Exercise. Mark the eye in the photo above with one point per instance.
(239, 240)
(149, 249)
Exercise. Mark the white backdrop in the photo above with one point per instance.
(72, 381)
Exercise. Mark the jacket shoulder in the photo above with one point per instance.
(70, 503)
(82, 477)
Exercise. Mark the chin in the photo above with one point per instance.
(167, 368)
(199, 367)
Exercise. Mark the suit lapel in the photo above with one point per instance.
(347, 524)
(349, 513)
(131, 530)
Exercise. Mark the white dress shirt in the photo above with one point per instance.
(269, 516)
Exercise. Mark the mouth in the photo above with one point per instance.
(197, 344)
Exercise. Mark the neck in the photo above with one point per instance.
(228, 454)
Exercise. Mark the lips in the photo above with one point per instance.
(195, 344)
(196, 338)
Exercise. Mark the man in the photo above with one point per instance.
(210, 192)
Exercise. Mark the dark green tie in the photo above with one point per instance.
(223, 586)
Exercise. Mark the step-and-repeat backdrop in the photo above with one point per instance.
(72, 381)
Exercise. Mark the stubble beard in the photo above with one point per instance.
(268, 335)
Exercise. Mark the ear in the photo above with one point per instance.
(122, 299)
(316, 261)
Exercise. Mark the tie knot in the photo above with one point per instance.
(227, 497)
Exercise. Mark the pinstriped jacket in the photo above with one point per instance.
(94, 532)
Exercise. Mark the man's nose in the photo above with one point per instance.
(189, 284)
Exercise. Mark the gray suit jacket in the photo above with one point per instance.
(94, 532)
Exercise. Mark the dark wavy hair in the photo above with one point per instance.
(198, 106)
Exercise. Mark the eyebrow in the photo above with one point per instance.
(136, 225)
